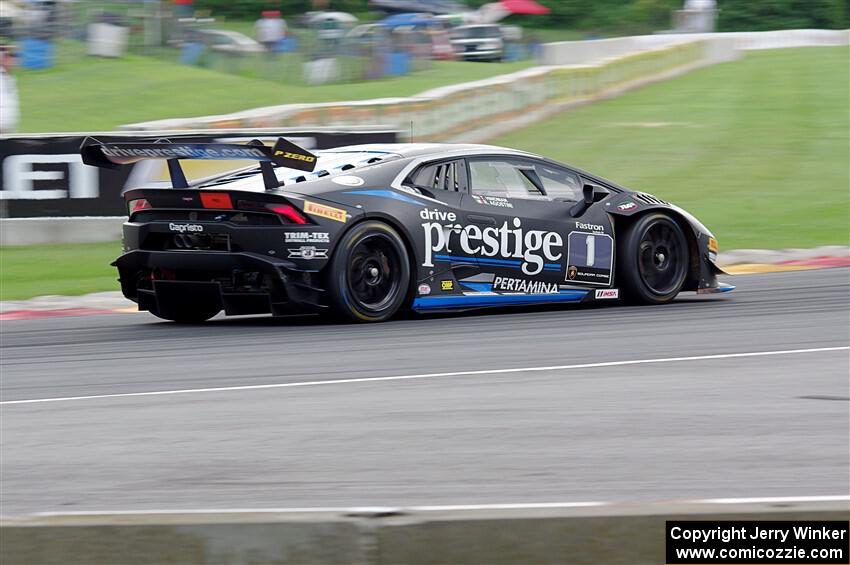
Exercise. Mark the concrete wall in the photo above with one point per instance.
(604, 533)
(587, 52)
(755, 40)
(33, 231)
(593, 51)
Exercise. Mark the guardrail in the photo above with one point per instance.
(582, 533)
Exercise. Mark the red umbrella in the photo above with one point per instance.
(524, 7)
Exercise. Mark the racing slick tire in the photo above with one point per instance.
(369, 274)
(653, 260)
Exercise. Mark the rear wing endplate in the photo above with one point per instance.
(114, 154)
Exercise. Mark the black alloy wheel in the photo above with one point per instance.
(653, 259)
(370, 273)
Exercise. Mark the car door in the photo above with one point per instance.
(530, 241)
(590, 233)
(444, 182)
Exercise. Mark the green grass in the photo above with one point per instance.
(88, 94)
(757, 148)
(57, 269)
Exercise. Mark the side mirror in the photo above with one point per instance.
(590, 195)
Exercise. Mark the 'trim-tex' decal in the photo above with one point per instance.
(328, 212)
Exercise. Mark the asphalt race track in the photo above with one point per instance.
(753, 425)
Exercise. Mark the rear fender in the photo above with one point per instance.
(406, 237)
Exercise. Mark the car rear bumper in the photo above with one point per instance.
(238, 283)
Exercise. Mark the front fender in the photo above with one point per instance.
(701, 241)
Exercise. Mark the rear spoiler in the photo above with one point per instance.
(111, 155)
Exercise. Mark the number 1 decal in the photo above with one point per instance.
(590, 258)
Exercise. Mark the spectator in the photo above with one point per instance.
(9, 111)
(270, 29)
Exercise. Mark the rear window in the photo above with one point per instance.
(442, 176)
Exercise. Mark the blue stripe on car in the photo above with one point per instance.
(494, 262)
(478, 286)
(476, 300)
(383, 193)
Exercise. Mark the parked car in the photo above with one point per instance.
(229, 41)
(478, 42)
(511, 33)
(441, 45)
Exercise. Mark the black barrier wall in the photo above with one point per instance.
(43, 175)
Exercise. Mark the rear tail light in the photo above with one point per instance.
(287, 211)
(137, 204)
(216, 200)
(222, 201)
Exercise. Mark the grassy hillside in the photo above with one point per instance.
(757, 148)
(91, 94)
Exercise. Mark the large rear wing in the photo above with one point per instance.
(115, 154)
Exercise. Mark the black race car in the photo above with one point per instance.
(368, 231)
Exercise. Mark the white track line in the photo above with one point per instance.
(773, 500)
(431, 375)
(335, 509)
(448, 507)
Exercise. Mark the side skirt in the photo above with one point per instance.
(484, 299)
